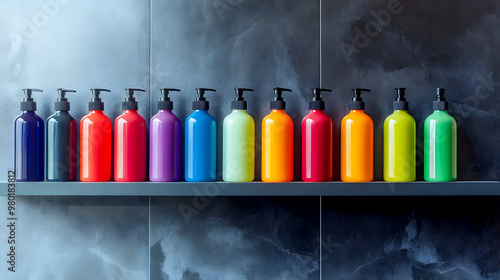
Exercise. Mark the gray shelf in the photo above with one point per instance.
(459, 188)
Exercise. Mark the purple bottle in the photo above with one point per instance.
(165, 142)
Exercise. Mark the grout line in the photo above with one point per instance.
(149, 237)
(320, 237)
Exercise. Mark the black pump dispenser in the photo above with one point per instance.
(239, 103)
(28, 103)
(96, 103)
(201, 102)
(62, 103)
(357, 102)
(400, 102)
(165, 103)
(278, 103)
(440, 103)
(317, 103)
(130, 103)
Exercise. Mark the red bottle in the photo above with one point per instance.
(130, 142)
(317, 142)
(95, 142)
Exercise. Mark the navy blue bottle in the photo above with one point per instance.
(61, 141)
(200, 142)
(28, 141)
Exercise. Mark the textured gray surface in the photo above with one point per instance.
(73, 44)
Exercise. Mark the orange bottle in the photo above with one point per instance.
(356, 143)
(277, 142)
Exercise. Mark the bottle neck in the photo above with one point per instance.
(357, 111)
(130, 111)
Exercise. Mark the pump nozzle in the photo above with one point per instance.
(165, 103)
(28, 103)
(440, 103)
(130, 103)
(201, 102)
(400, 102)
(239, 103)
(278, 103)
(357, 102)
(96, 103)
(318, 103)
(62, 103)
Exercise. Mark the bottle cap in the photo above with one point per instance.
(440, 103)
(201, 102)
(96, 103)
(400, 102)
(239, 103)
(357, 102)
(62, 103)
(165, 103)
(317, 103)
(130, 103)
(28, 103)
(278, 103)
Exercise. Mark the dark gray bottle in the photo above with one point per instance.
(61, 141)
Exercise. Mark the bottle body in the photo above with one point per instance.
(95, 147)
(29, 147)
(356, 147)
(277, 147)
(200, 147)
(238, 147)
(440, 147)
(317, 147)
(130, 147)
(165, 147)
(61, 147)
(399, 147)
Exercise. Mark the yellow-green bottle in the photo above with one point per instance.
(400, 142)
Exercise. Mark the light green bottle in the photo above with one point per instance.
(238, 142)
(440, 143)
(400, 142)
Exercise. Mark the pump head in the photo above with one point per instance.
(239, 103)
(165, 103)
(400, 102)
(357, 102)
(96, 103)
(317, 103)
(62, 103)
(278, 103)
(130, 103)
(440, 103)
(201, 102)
(28, 103)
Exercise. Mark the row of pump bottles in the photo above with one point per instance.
(130, 142)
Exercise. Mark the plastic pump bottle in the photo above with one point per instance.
(29, 141)
(356, 144)
(400, 142)
(200, 145)
(440, 143)
(165, 142)
(130, 141)
(277, 142)
(238, 145)
(95, 142)
(61, 141)
(317, 142)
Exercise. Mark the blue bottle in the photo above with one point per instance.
(28, 141)
(60, 163)
(200, 156)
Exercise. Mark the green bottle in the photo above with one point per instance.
(400, 142)
(440, 143)
(238, 142)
